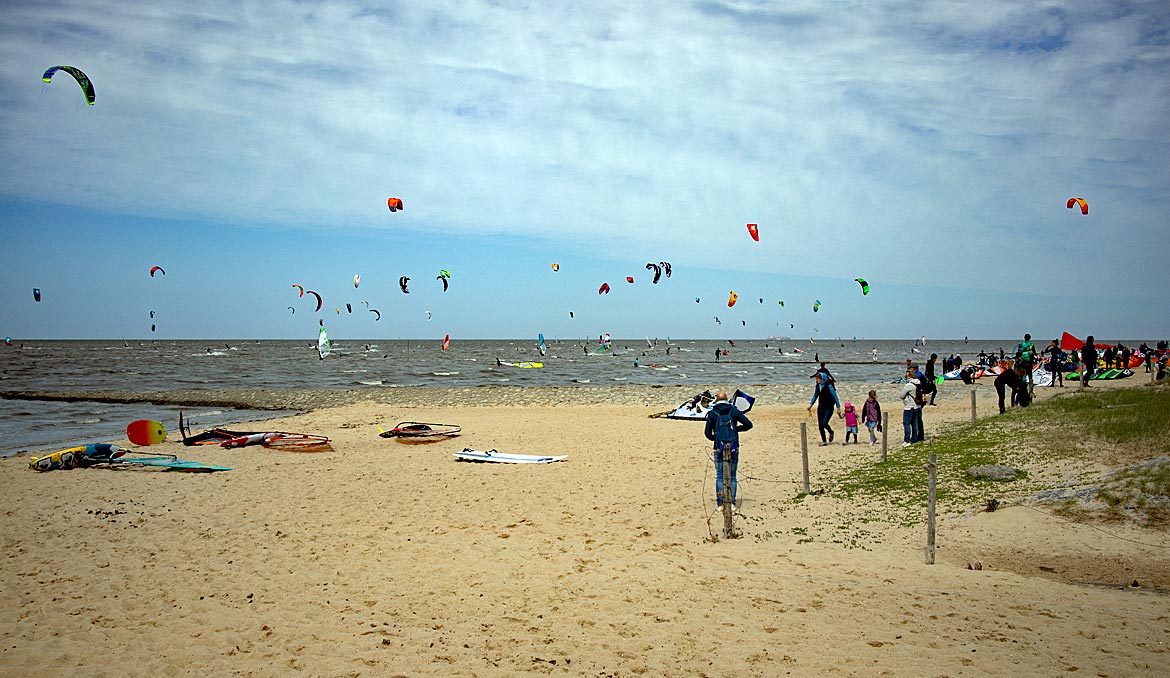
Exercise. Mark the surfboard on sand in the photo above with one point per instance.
(146, 432)
(469, 454)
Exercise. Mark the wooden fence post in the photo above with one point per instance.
(885, 432)
(973, 418)
(728, 527)
(931, 469)
(804, 453)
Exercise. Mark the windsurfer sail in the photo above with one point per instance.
(323, 346)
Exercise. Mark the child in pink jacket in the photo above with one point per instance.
(850, 422)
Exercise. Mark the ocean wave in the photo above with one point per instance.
(371, 382)
(444, 374)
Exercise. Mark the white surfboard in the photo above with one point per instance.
(505, 458)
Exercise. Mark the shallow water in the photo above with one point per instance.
(272, 365)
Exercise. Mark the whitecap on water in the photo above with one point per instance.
(444, 374)
(375, 382)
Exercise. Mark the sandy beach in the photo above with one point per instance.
(384, 558)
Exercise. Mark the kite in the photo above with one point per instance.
(732, 299)
(1078, 201)
(428, 315)
(717, 320)
(781, 302)
(156, 268)
(761, 300)
(402, 284)
(300, 290)
(657, 271)
(356, 279)
(665, 267)
(348, 308)
(377, 313)
(318, 298)
(152, 327)
(754, 230)
(864, 286)
(816, 305)
(439, 277)
(555, 266)
(36, 294)
(629, 278)
(394, 204)
(152, 314)
(696, 300)
(604, 289)
(292, 309)
(443, 275)
(570, 314)
(81, 78)
(744, 324)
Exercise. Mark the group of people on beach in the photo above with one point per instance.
(724, 422)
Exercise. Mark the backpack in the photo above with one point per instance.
(920, 395)
(1026, 351)
(724, 427)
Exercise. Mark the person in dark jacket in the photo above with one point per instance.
(1013, 379)
(931, 378)
(826, 393)
(1088, 360)
(724, 424)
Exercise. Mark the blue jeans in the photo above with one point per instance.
(719, 473)
(908, 425)
(916, 436)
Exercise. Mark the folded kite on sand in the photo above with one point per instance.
(418, 429)
(469, 454)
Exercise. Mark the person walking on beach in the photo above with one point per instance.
(1055, 363)
(850, 422)
(1088, 360)
(871, 415)
(911, 413)
(826, 393)
(724, 424)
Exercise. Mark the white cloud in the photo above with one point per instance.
(854, 133)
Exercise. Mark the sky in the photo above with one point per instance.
(926, 147)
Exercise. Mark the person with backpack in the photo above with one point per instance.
(724, 424)
(826, 393)
(1026, 358)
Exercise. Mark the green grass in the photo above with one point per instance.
(1111, 427)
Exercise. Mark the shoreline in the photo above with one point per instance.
(308, 400)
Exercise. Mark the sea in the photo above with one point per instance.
(145, 366)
